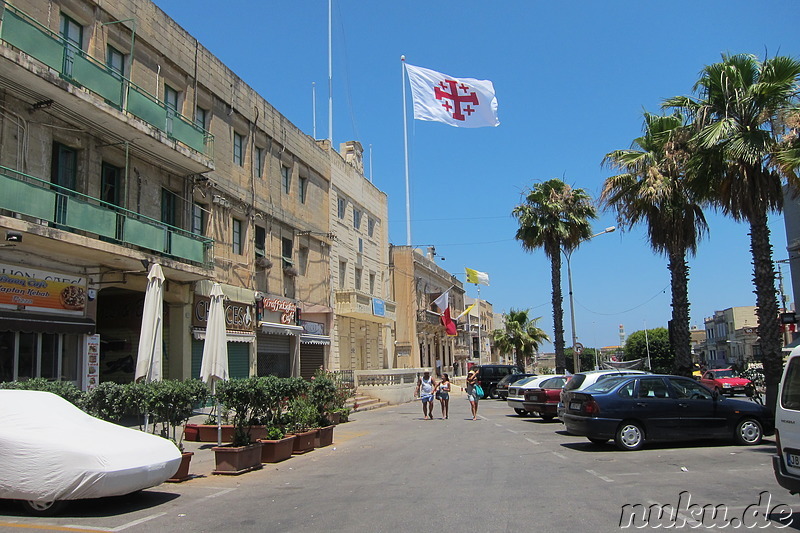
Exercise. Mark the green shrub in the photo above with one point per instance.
(172, 402)
(64, 389)
(106, 401)
(246, 398)
(302, 415)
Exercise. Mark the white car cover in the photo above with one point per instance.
(51, 450)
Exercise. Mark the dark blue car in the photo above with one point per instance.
(635, 409)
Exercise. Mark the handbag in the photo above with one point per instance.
(478, 391)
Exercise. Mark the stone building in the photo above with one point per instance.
(479, 322)
(420, 338)
(731, 337)
(125, 143)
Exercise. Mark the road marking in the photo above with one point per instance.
(559, 456)
(536, 442)
(133, 523)
(216, 494)
(74, 529)
(604, 478)
(498, 425)
(512, 431)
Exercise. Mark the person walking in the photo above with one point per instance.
(425, 387)
(472, 395)
(443, 393)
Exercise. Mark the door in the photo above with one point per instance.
(656, 408)
(699, 416)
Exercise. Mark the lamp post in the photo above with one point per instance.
(576, 359)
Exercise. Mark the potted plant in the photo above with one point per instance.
(245, 399)
(303, 417)
(323, 395)
(207, 431)
(276, 446)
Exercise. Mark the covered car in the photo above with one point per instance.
(51, 451)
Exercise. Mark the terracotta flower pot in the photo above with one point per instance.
(233, 460)
(191, 432)
(335, 417)
(324, 437)
(274, 451)
(304, 442)
(183, 470)
(208, 432)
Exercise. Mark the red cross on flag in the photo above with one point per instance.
(460, 102)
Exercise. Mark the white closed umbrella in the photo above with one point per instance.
(149, 356)
(215, 348)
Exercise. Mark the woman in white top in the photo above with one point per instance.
(425, 387)
(443, 393)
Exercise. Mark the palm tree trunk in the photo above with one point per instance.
(558, 311)
(766, 306)
(679, 331)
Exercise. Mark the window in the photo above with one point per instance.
(169, 207)
(237, 242)
(286, 252)
(198, 219)
(360, 245)
(71, 31)
(170, 98)
(201, 118)
(356, 218)
(115, 60)
(52, 356)
(303, 189)
(652, 388)
(109, 184)
(687, 388)
(286, 178)
(342, 205)
(258, 165)
(342, 273)
(372, 283)
(359, 273)
(238, 149)
(261, 241)
(64, 169)
(302, 259)
(370, 226)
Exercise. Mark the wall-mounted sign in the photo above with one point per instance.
(92, 361)
(314, 328)
(238, 316)
(285, 308)
(37, 290)
(378, 307)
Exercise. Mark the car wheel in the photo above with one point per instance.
(630, 436)
(36, 508)
(595, 440)
(521, 412)
(493, 393)
(548, 418)
(748, 432)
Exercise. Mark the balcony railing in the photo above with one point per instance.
(72, 211)
(25, 33)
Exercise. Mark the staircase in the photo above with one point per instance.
(362, 402)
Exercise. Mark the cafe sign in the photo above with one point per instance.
(43, 291)
(286, 309)
(238, 316)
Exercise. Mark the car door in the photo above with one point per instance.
(656, 408)
(699, 413)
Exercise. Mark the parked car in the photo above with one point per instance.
(503, 384)
(51, 452)
(786, 463)
(725, 381)
(635, 409)
(582, 380)
(543, 401)
(490, 375)
(516, 392)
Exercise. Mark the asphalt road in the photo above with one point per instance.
(390, 470)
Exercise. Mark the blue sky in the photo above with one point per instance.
(571, 78)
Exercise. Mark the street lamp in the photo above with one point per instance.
(576, 360)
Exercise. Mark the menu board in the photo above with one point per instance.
(92, 361)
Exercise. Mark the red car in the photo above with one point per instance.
(544, 400)
(725, 381)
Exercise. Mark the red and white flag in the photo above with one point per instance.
(460, 102)
(443, 304)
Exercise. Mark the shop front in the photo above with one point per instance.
(278, 338)
(240, 326)
(46, 325)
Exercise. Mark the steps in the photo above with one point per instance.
(362, 402)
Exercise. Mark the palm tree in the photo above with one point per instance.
(520, 335)
(555, 217)
(652, 191)
(737, 116)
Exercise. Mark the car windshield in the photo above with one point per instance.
(524, 381)
(604, 385)
(724, 374)
(553, 383)
(576, 381)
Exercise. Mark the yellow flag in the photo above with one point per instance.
(476, 277)
(465, 312)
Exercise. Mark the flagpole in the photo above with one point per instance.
(330, 73)
(480, 346)
(405, 144)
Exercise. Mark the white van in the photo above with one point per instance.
(786, 463)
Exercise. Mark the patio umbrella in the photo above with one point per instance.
(148, 359)
(215, 349)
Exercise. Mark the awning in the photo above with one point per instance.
(308, 338)
(232, 336)
(280, 329)
(36, 323)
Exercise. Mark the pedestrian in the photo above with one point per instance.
(472, 395)
(443, 393)
(425, 387)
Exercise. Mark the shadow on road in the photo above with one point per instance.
(100, 507)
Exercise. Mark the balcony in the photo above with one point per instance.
(68, 210)
(26, 34)
(359, 304)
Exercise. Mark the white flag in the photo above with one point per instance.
(460, 102)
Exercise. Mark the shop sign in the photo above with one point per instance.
(313, 328)
(38, 290)
(286, 309)
(238, 316)
(378, 307)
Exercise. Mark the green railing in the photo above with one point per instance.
(25, 33)
(72, 211)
